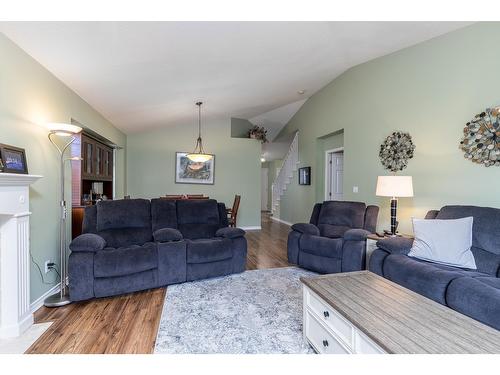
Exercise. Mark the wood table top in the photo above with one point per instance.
(400, 320)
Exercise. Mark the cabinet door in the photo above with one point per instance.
(99, 160)
(88, 155)
(108, 164)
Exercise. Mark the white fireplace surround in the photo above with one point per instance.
(15, 313)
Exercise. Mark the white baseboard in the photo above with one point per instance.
(256, 227)
(281, 221)
(36, 304)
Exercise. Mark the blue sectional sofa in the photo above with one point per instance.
(475, 293)
(136, 244)
(334, 240)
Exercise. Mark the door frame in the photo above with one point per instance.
(267, 189)
(327, 153)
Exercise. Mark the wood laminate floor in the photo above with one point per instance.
(129, 323)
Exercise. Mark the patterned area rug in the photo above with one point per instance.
(253, 312)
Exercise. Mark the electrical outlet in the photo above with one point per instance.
(355, 189)
(47, 268)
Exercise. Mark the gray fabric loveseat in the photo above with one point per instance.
(334, 240)
(136, 244)
(475, 293)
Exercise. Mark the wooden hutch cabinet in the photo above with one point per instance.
(96, 166)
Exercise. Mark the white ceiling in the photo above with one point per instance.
(144, 75)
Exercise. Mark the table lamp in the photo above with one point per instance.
(394, 187)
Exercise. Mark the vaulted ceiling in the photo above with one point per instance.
(145, 75)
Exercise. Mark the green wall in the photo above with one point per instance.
(272, 167)
(30, 96)
(151, 166)
(430, 90)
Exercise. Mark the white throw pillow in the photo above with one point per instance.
(444, 241)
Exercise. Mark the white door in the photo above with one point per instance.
(335, 176)
(264, 189)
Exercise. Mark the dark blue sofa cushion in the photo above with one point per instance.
(485, 234)
(126, 236)
(198, 218)
(111, 262)
(428, 279)
(163, 214)
(208, 250)
(477, 297)
(321, 246)
(88, 242)
(123, 222)
(343, 214)
(123, 213)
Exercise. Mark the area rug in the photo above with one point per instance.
(253, 312)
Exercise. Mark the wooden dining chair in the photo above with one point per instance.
(232, 213)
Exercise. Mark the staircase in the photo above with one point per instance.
(285, 173)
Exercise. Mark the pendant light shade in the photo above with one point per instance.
(199, 155)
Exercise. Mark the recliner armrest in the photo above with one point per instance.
(396, 245)
(356, 235)
(167, 235)
(306, 228)
(229, 232)
(87, 242)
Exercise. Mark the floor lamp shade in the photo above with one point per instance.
(394, 187)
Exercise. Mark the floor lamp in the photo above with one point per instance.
(67, 131)
(394, 187)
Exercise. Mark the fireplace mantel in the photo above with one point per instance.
(15, 314)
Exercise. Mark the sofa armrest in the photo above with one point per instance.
(396, 245)
(167, 235)
(229, 232)
(306, 228)
(356, 235)
(87, 242)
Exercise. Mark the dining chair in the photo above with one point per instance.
(233, 212)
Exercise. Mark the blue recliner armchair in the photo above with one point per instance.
(335, 238)
(136, 244)
(475, 293)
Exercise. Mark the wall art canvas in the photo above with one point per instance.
(305, 176)
(190, 172)
(481, 138)
(13, 159)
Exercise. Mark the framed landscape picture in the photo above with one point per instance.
(13, 159)
(190, 172)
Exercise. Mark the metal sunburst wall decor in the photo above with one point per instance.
(481, 139)
(396, 150)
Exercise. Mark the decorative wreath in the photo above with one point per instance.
(481, 139)
(396, 150)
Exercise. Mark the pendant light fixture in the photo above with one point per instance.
(199, 155)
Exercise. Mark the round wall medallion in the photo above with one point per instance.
(396, 150)
(481, 140)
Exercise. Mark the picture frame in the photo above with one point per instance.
(13, 159)
(305, 176)
(189, 172)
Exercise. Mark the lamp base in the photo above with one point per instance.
(56, 300)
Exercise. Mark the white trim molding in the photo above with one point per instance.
(255, 227)
(281, 221)
(36, 304)
(15, 312)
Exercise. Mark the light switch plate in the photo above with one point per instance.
(355, 189)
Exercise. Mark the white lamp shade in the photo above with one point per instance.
(394, 186)
(63, 129)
